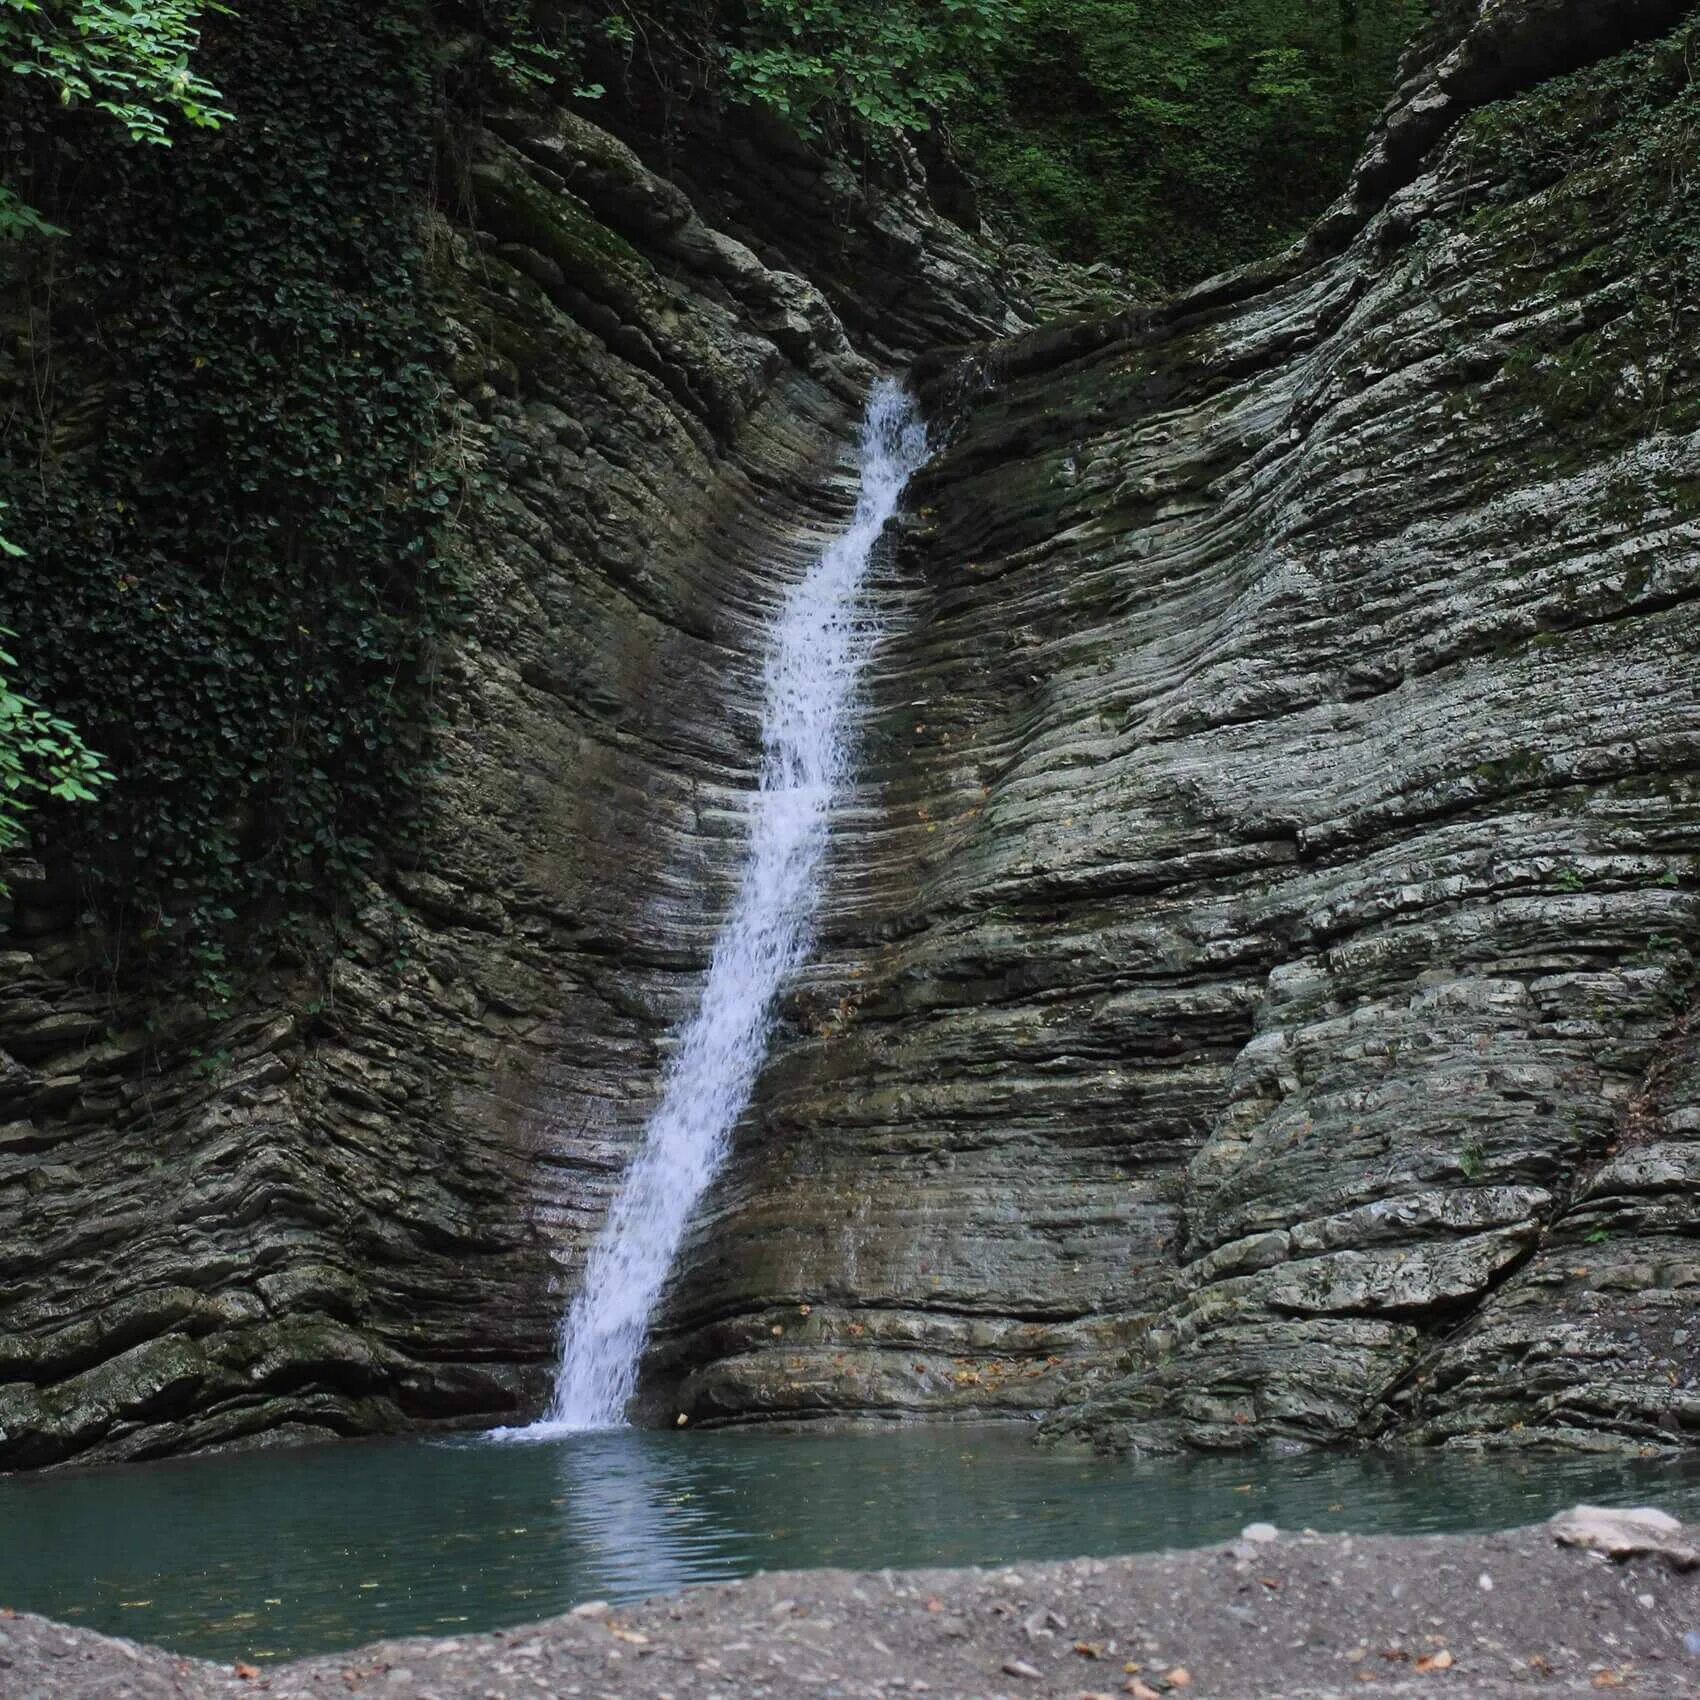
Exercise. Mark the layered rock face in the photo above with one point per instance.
(1253, 977)
(1254, 1000)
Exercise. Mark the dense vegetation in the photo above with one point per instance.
(131, 63)
(1172, 137)
(227, 474)
(1179, 137)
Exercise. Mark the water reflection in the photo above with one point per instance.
(284, 1553)
(641, 1520)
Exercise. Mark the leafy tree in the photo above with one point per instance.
(1179, 137)
(893, 66)
(127, 58)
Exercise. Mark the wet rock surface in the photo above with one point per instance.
(1273, 1616)
(356, 1204)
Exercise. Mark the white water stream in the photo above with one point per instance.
(821, 638)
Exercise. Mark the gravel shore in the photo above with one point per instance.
(1272, 1616)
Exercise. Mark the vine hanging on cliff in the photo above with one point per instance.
(224, 459)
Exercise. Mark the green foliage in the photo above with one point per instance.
(1631, 119)
(233, 582)
(895, 66)
(526, 60)
(40, 754)
(1593, 205)
(1179, 137)
(129, 58)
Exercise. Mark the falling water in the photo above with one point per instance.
(820, 640)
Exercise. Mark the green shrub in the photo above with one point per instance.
(895, 66)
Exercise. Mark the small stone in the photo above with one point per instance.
(1260, 1534)
(1485, 1583)
(1691, 1643)
(1020, 1667)
(590, 1608)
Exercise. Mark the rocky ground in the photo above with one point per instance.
(1585, 1604)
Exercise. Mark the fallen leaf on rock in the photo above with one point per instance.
(1180, 1677)
(247, 1672)
(1130, 1669)
(1140, 1690)
(1089, 1649)
(633, 1637)
(1435, 1661)
(1396, 1655)
(1355, 1655)
(935, 1605)
(1608, 1679)
(1020, 1667)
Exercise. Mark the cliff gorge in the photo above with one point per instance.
(1252, 988)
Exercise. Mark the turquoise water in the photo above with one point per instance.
(277, 1554)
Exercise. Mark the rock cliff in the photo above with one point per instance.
(1253, 982)
(1259, 968)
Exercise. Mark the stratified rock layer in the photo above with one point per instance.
(1258, 968)
(352, 1208)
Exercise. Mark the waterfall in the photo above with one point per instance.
(820, 640)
